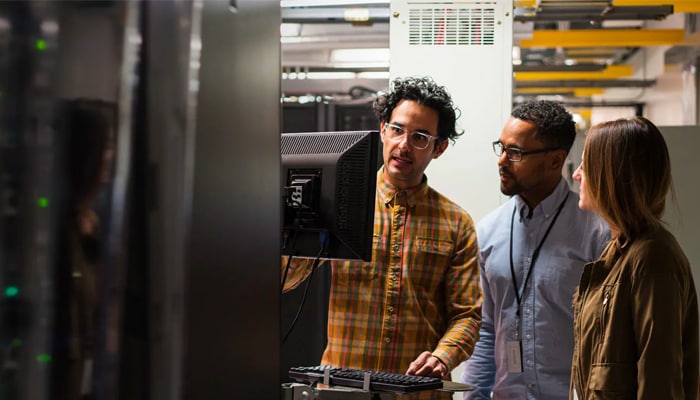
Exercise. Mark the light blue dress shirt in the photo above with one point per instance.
(546, 317)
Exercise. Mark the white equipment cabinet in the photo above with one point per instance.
(467, 47)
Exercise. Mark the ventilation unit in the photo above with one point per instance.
(467, 47)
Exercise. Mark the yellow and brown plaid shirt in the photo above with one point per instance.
(420, 292)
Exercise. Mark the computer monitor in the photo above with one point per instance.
(329, 182)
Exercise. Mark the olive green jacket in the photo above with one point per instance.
(636, 324)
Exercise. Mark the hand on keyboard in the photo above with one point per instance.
(426, 364)
(378, 381)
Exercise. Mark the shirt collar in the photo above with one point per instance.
(388, 192)
(549, 205)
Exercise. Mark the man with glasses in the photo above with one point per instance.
(531, 252)
(414, 308)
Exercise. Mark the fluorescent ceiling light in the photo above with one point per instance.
(319, 75)
(326, 3)
(373, 75)
(628, 23)
(287, 30)
(356, 14)
(331, 75)
(516, 55)
(365, 56)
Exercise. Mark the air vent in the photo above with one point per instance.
(330, 143)
(452, 26)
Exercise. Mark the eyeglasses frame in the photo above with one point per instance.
(519, 151)
(394, 126)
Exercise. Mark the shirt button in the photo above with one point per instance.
(391, 309)
(528, 336)
(527, 311)
(387, 340)
(393, 278)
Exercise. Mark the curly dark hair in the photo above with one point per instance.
(555, 126)
(425, 91)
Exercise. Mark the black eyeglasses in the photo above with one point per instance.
(419, 140)
(516, 154)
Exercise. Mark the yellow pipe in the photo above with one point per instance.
(604, 38)
(585, 113)
(610, 72)
(587, 92)
(679, 6)
(578, 92)
(542, 90)
(525, 3)
(601, 52)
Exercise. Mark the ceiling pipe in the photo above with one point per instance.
(586, 83)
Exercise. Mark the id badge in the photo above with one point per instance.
(515, 359)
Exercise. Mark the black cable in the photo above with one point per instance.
(289, 260)
(306, 289)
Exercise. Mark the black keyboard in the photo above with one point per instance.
(378, 381)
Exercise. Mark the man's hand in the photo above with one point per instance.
(427, 365)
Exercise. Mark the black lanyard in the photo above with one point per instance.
(518, 296)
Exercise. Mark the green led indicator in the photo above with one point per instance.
(43, 358)
(43, 202)
(41, 44)
(11, 291)
(16, 342)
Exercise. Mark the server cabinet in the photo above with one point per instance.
(232, 292)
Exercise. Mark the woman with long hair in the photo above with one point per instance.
(636, 309)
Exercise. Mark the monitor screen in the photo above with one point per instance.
(329, 182)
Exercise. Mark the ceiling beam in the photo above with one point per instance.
(525, 3)
(604, 38)
(577, 92)
(593, 15)
(611, 72)
(329, 15)
(679, 6)
(586, 83)
(581, 67)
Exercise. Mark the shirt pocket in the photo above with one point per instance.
(353, 272)
(432, 257)
(613, 381)
(561, 277)
(433, 249)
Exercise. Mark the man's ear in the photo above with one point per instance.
(440, 148)
(558, 159)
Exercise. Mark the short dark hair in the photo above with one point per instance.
(555, 126)
(425, 91)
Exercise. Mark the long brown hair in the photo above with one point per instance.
(628, 172)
